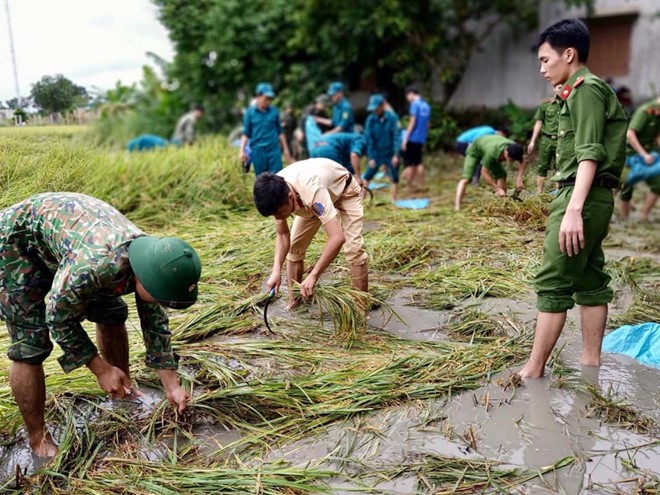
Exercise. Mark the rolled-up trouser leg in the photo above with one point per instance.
(564, 280)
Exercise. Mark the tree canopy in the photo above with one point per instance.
(224, 47)
(56, 94)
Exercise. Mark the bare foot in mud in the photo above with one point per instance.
(43, 445)
(294, 303)
(529, 371)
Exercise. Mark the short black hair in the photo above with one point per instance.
(412, 89)
(568, 33)
(461, 147)
(270, 193)
(515, 152)
(199, 108)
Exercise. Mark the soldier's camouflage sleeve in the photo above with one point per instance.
(157, 337)
(72, 288)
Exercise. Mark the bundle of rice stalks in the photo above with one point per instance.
(346, 307)
(138, 477)
(220, 319)
(645, 308)
(445, 475)
(631, 270)
(616, 410)
(532, 212)
(474, 326)
(450, 283)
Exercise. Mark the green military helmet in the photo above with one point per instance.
(168, 268)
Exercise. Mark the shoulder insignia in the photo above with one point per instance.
(565, 92)
(578, 82)
(318, 209)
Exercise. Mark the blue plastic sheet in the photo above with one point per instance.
(639, 170)
(413, 204)
(378, 185)
(146, 142)
(641, 342)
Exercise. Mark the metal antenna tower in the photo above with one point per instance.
(13, 52)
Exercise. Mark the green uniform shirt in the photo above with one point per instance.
(548, 113)
(486, 150)
(81, 243)
(646, 123)
(592, 126)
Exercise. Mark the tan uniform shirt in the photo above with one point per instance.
(318, 184)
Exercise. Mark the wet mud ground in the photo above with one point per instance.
(530, 425)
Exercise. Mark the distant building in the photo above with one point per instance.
(6, 115)
(625, 36)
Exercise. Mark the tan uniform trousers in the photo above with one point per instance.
(350, 215)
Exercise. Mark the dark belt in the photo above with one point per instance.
(598, 182)
(349, 179)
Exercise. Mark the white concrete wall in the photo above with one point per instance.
(505, 68)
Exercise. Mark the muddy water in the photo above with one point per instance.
(533, 426)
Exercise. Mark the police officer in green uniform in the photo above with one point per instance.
(66, 257)
(490, 151)
(591, 147)
(547, 118)
(643, 137)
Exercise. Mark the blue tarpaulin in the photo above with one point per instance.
(641, 342)
(640, 170)
(413, 204)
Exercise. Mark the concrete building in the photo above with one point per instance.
(625, 37)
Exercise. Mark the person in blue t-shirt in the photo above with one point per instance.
(343, 119)
(415, 138)
(382, 137)
(346, 148)
(263, 130)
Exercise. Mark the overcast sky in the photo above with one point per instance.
(91, 42)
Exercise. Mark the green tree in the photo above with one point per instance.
(56, 94)
(224, 47)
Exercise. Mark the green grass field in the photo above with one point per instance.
(306, 380)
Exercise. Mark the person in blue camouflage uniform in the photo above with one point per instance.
(66, 257)
(343, 118)
(345, 148)
(382, 135)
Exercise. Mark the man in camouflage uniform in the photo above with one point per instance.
(185, 130)
(66, 257)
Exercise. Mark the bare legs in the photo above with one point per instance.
(593, 319)
(28, 385)
(548, 328)
(411, 172)
(29, 388)
(649, 203)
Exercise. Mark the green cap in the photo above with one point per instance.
(168, 268)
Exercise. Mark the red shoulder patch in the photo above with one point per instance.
(565, 92)
(578, 82)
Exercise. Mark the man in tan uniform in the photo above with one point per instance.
(318, 192)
